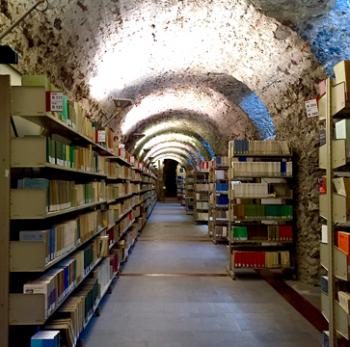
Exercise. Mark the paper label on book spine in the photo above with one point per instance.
(311, 108)
(101, 136)
(56, 101)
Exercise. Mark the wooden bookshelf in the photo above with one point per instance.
(260, 228)
(334, 109)
(31, 157)
(218, 191)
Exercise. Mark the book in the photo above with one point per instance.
(343, 241)
(344, 301)
(46, 338)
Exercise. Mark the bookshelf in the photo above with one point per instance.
(218, 200)
(334, 108)
(201, 192)
(189, 192)
(180, 189)
(260, 206)
(74, 202)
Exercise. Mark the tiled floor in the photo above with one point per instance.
(191, 311)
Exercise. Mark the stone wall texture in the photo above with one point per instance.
(262, 70)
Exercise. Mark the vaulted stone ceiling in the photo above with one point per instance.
(221, 64)
(200, 72)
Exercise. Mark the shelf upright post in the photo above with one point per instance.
(330, 231)
(5, 134)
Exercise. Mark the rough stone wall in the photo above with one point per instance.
(303, 134)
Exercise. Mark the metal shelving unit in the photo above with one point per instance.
(255, 202)
(218, 212)
(334, 108)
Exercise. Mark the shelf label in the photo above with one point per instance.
(311, 108)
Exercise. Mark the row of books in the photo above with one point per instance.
(201, 187)
(220, 199)
(71, 318)
(220, 231)
(58, 240)
(75, 157)
(65, 194)
(250, 211)
(116, 170)
(250, 147)
(270, 232)
(261, 259)
(115, 191)
(221, 187)
(220, 213)
(202, 205)
(220, 161)
(217, 175)
(260, 169)
(59, 281)
(88, 193)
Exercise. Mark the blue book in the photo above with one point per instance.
(33, 183)
(46, 338)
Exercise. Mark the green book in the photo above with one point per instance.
(64, 113)
(72, 156)
(240, 233)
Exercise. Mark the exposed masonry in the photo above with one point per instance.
(255, 54)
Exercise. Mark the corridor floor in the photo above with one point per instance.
(188, 301)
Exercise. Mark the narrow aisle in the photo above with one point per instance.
(186, 301)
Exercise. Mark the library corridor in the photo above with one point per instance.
(174, 292)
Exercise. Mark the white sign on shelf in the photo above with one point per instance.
(311, 108)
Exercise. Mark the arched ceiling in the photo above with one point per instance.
(170, 139)
(175, 122)
(208, 70)
(175, 157)
(177, 147)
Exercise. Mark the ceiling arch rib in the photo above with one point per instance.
(202, 101)
(201, 145)
(190, 149)
(184, 162)
(179, 138)
(234, 91)
(191, 123)
(172, 150)
(170, 145)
